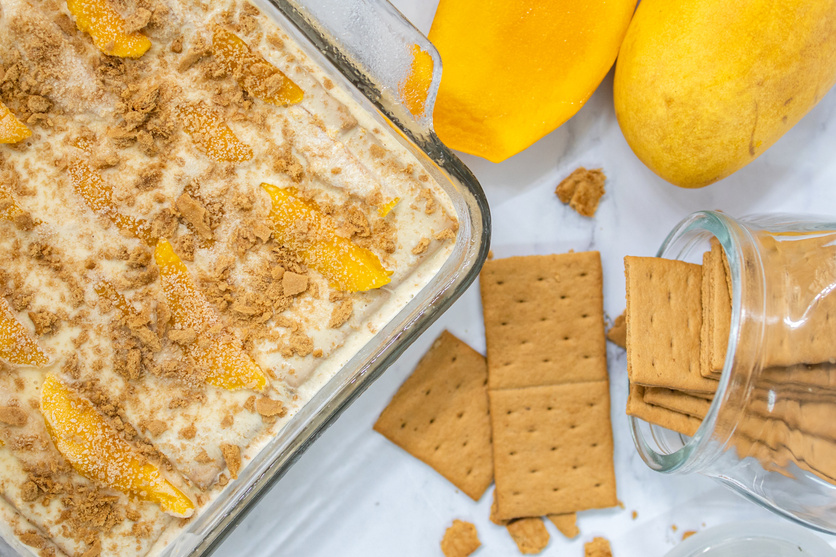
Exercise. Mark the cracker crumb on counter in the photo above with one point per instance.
(582, 190)
(460, 539)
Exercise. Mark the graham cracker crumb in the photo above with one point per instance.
(32, 540)
(13, 416)
(182, 337)
(268, 407)
(188, 432)
(598, 547)
(421, 246)
(582, 190)
(45, 322)
(687, 534)
(293, 283)
(203, 457)
(155, 427)
(137, 20)
(195, 214)
(249, 404)
(341, 314)
(232, 457)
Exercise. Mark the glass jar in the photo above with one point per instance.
(770, 432)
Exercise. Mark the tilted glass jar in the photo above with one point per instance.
(770, 433)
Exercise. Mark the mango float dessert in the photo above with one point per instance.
(198, 229)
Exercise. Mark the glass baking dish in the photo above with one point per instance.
(368, 47)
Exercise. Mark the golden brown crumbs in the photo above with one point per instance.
(149, 177)
(299, 344)
(377, 151)
(446, 234)
(13, 416)
(336, 170)
(200, 49)
(155, 427)
(177, 45)
(32, 539)
(285, 161)
(430, 204)
(137, 20)
(249, 404)
(268, 407)
(294, 283)
(94, 550)
(188, 432)
(223, 480)
(70, 366)
(227, 421)
(232, 457)
(195, 215)
(29, 491)
(634, 515)
(185, 246)
(421, 246)
(582, 190)
(203, 457)
(45, 322)
(328, 84)
(318, 353)
(598, 547)
(687, 534)
(183, 337)
(341, 314)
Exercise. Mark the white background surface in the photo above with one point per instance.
(355, 494)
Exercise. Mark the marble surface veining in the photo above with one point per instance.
(355, 494)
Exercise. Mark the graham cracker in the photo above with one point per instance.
(440, 415)
(800, 272)
(677, 401)
(544, 320)
(716, 304)
(664, 316)
(598, 547)
(618, 332)
(813, 416)
(553, 449)
(529, 534)
(566, 523)
(582, 190)
(681, 423)
(460, 539)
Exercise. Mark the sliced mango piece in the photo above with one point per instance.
(385, 208)
(94, 448)
(107, 28)
(348, 266)
(16, 346)
(226, 363)
(12, 130)
(90, 185)
(212, 136)
(254, 74)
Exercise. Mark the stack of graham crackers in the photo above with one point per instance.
(677, 319)
(535, 416)
(678, 322)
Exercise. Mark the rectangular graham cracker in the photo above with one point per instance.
(677, 401)
(716, 304)
(544, 320)
(664, 316)
(681, 423)
(440, 415)
(800, 272)
(553, 449)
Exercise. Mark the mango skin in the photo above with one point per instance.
(702, 88)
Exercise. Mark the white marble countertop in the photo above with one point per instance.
(355, 494)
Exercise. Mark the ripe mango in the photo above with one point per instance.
(702, 88)
(516, 70)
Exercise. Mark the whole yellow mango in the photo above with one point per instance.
(516, 70)
(703, 87)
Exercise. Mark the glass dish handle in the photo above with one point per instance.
(385, 56)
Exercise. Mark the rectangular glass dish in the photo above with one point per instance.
(392, 72)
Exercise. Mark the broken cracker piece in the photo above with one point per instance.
(637, 407)
(618, 332)
(582, 190)
(529, 534)
(460, 539)
(598, 547)
(566, 523)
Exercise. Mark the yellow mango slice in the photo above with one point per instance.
(515, 71)
(12, 130)
(98, 195)
(107, 28)
(386, 208)
(212, 136)
(254, 74)
(414, 89)
(9, 209)
(226, 363)
(16, 346)
(94, 448)
(348, 266)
